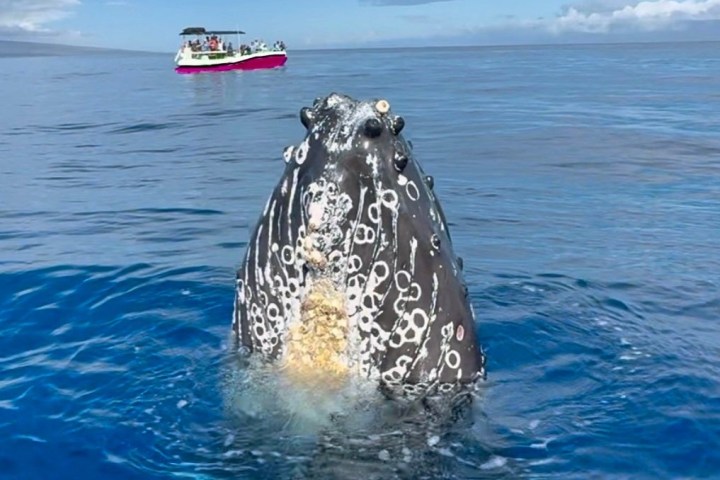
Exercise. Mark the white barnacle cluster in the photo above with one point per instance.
(317, 339)
(327, 209)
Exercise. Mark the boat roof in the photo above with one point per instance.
(202, 31)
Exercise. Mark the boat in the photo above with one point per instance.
(210, 52)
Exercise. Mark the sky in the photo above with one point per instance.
(153, 25)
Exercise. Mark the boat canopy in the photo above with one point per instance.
(202, 31)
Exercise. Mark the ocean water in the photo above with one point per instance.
(582, 188)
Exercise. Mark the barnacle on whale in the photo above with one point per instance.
(317, 343)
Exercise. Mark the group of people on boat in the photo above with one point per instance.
(216, 44)
(210, 44)
(261, 46)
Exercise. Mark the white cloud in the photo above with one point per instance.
(33, 16)
(598, 21)
(584, 21)
(596, 17)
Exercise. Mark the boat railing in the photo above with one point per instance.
(218, 54)
(210, 53)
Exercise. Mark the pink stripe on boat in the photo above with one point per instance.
(255, 63)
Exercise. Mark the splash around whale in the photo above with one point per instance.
(350, 272)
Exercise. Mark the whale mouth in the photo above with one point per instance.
(350, 272)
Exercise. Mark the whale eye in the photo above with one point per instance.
(400, 162)
(306, 116)
(430, 182)
(398, 124)
(373, 128)
(435, 241)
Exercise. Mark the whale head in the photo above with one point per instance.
(351, 269)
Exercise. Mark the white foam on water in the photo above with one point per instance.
(114, 458)
(432, 441)
(544, 461)
(262, 391)
(542, 445)
(494, 463)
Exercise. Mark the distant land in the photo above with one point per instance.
(11, 48)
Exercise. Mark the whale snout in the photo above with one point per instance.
(339, 118)
(354, 221)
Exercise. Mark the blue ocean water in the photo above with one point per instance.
(581, 184)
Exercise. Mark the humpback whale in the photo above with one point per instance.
(350, 271)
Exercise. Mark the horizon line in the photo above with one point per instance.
(381, 47)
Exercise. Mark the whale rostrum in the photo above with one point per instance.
(350, 271)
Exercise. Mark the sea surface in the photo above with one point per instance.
(582, 188)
